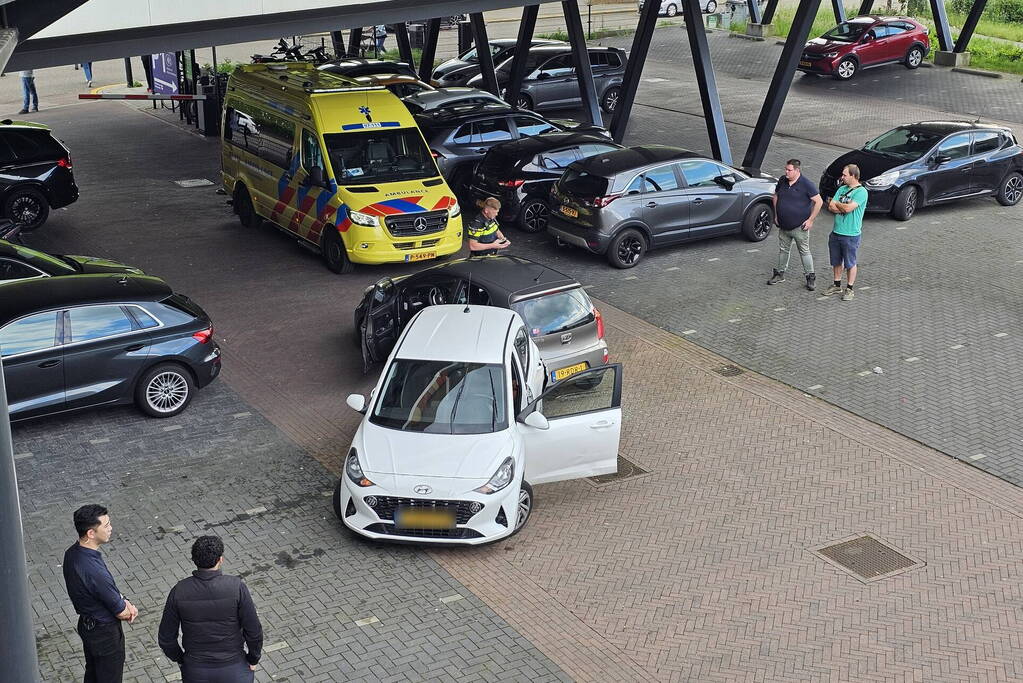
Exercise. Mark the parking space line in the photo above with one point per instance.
(631, 277)
(668, 270)
(865, 373)
(957, 346)
(912, 359)
(978, 456)
(274, 647)
(689, 332)
(99, 441)
(172, 428)
(448, 599)
(22, 456)
(714, 259)
(750, 251)
(367, 621)
(1002, 334)
(780, 308)
(735, 320)
(815, 387)
(256, 510)
(239, 415)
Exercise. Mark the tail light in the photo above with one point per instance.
(436, 154)
(203, 336)
(510, 183)
(64, 163)
(600, 323)
(601, 202)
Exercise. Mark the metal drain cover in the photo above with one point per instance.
(729, 370)
(626, 470)
(867, 558)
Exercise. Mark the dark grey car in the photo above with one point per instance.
(459, 70)
(78, 341)
(624, 202)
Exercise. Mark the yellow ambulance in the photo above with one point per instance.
(339, 165)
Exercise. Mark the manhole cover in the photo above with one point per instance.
(729, 370)
(867, 558)
(626, 469)
(194, 182)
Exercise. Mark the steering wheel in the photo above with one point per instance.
(436, 296)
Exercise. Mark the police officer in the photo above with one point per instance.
(485, 236)
(92, 590)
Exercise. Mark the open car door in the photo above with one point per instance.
(380, 326)
(584, 417)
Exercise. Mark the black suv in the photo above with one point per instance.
(520, 173)
(459, 136)
(35, 173)
(932, 162)
(87, 340)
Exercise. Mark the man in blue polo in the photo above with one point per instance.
(796, 204)
(100, 606)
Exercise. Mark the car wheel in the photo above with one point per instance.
(627, 248)
(1010, 192)
(164, 390)
(905, 203)
(756, 224)
(524, 101)
(711, 7)
(334, 254)
(671, 11)
(914, 57)
(524, 507)
(27, 208)
(610, 99)
(244, 208)
(846, 69)
(533, 216)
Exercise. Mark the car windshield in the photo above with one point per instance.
(847, 32)
(555, 312)
(533, 60)
(582, 184)
(379, 155)
(442, 397)
(905, 142)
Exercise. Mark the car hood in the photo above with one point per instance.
(92, 264)
(871, 164)
(820, 45)
(454, 65)
(457, 456)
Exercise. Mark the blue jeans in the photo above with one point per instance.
(380, 43)
(28, 89)
(87, 68)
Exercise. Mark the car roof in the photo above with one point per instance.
(456, 332)
(461, 113)
(612, 163)
(445, 94)
(531, 145)
(508, 42)
(946, 127)
(558, 48)
(22, 297)
(508, 278)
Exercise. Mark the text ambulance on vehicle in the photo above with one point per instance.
(340, 166)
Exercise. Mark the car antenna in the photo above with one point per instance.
(468, 293)
(539, 274)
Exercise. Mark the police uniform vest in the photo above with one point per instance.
(483, 229)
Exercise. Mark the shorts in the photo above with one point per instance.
(843, 249)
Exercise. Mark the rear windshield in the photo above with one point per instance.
(379, 155)
(579, 183)
(555, 312)
(497, 161)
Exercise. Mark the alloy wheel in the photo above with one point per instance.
(524, 507)
(611, 100)
(167, 392)
(25, 210)
(1014, 189)
(630, 249)
(915, 57)
(763, 224)
(911, 202)
(535, 216)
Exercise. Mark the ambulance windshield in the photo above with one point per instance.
(379, 155)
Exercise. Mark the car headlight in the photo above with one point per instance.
(502, 477)
(354, 470)
(364, 219)
(454, 210)
(831, 55)
(883, 180)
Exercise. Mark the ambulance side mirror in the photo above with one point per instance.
(316, 177)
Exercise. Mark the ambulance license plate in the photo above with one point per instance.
(569, 211)
(561, 374)
(420, 518)
(420, 256)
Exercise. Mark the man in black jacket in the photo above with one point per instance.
(216, 616)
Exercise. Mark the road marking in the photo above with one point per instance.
(1002, 334)
(821, 298)
(864, 287)
(257, 510)
(751, 251)
(865, 373)
(176, 676)
(901, 227)
(367, 621)
(172, 428)
(668, 270)
(780, 308)
(689, 332)
(448, 599)
(912, 359)
(714, 259)
(97, 441)
(22, 456)
(957, 346)
(326, 494)
(978, 456)
(274, 647)
(240, 415)
(935, 222)
(815, 387)
(588, 286)
(632, 277)
(735, 320)
(656, 80)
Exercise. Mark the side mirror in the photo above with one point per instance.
(357, 402)
(537, 421)
(542, 76)
(940, 159)
(316, 177)
(727, 182)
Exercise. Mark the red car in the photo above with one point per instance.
(866, 42)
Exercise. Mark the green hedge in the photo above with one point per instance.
(997, 10)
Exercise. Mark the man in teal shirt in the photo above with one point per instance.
(848, 205)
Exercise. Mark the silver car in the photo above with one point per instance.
(624, 202)
(670, 8)
(561, 319)
(429, 100)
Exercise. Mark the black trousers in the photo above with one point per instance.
(235, 672)
(104, 650)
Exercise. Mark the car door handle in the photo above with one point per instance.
(481, 150)
(651, 205)
(602, 424)
(135, 347)
(49, 363)
(698, 200)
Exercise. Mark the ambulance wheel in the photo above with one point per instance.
(334, 253)
(244, 208)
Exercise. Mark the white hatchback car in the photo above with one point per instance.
(459, 427)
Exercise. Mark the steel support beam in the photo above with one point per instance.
(941, 25)
(429, 50)
(486, 60)
(754, 12)
(963, 41)
(634, 69)
(866, 6)
(17, 637)
(522, 43)
(839, 10)
(404, 46)
(780, 83)
(337, 43)
(692, 12)
(354, 40)
(581, 58)
(769, 10)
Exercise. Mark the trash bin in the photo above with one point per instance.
(208, 111)
(417, 36)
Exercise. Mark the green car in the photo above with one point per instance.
(18, 262)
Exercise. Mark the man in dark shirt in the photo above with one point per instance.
(216, 616)
(485, 236)
(796, 204)
(92, 590)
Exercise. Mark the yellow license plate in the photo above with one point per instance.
(569, 211)
(561, 374)
(420, 256)
(805, 63)
(415, 518)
